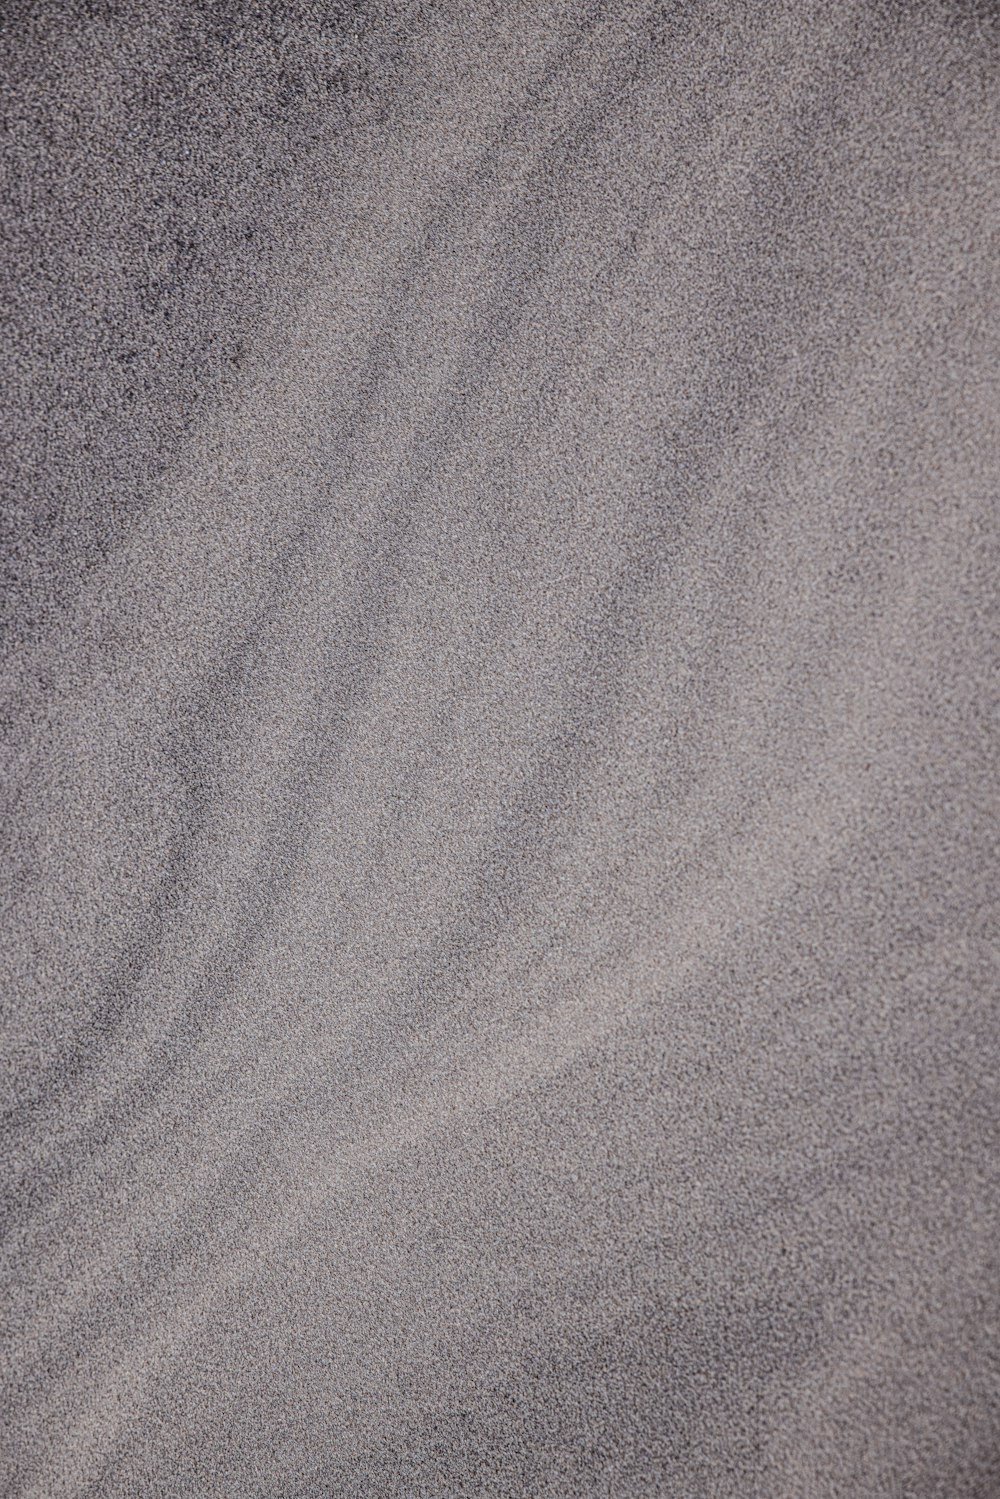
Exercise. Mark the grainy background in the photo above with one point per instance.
(500, 767)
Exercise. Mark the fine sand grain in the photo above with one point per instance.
(499, 722)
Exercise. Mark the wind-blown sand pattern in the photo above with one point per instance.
(500, 764)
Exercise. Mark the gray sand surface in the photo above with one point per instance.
(500, 767)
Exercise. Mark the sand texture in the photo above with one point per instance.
(499, 711)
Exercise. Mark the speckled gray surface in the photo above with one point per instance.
(499, 721)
